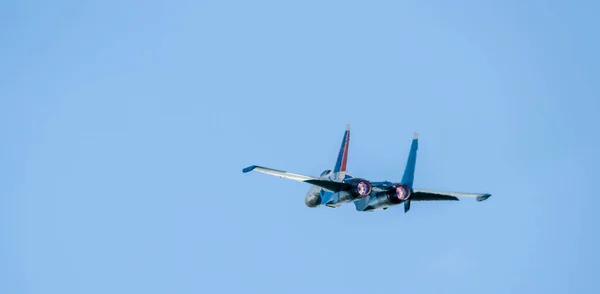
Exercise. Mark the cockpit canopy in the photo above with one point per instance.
(326, 172)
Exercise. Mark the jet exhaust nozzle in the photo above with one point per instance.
(359, 188)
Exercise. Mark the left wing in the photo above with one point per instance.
(278, 173)
(328, 185)
(428, 195)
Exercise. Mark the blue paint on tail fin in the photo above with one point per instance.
(409, 171)
(407, 178)
(340, 164)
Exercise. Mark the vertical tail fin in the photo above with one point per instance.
(340, 165)
(409, 171)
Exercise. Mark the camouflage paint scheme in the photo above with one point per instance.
(336, 187)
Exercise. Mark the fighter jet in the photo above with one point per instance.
(336, 187)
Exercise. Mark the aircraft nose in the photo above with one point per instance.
(312, 200)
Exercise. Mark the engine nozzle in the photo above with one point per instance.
(399, 193)
(359, 187)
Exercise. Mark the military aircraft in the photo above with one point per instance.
(334, 188)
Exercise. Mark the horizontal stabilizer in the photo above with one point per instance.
(329, 185)
(448, 195)
(420, 196)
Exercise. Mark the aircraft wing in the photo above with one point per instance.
(278, 173)
(428, 195)
(328, 185)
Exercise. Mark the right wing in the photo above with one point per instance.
(428, 195)
(328, 185)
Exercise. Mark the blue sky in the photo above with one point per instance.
(126, 125)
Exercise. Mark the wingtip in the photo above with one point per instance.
(347, 126)
(249, 169)
(483, 197)
(415, 136)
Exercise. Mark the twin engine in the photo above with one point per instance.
(359, 188)
(395, 194)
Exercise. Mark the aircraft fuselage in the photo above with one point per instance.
(377, 199)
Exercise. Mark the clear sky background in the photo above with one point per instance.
(125, 126)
